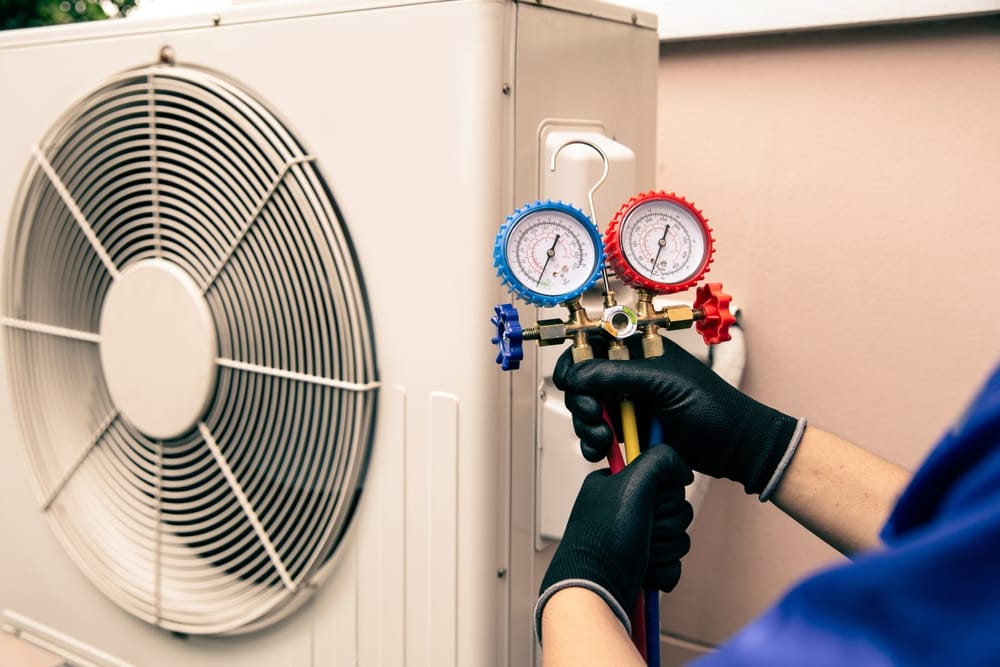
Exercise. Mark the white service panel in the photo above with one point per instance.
(582, 166)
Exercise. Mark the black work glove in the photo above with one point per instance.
(624, 530)
(719, 430)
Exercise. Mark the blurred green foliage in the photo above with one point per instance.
(31, 13)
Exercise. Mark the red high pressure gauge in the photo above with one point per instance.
(660, 242)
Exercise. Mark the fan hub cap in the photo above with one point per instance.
(158, 348)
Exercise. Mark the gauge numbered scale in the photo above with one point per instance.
(660, 242)
(548, 253)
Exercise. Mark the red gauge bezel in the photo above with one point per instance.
(616, 256)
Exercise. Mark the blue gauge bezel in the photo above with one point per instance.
(521, 290)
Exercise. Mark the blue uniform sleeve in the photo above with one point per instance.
(930, 597)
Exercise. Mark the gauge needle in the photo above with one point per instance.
(549, 254)
(662, 242)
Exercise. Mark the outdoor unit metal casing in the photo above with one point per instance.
(424, 120)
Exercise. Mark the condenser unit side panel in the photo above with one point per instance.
(574, 71)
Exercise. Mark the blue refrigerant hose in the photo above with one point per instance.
(652, 606)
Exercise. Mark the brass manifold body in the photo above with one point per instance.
(618, 322)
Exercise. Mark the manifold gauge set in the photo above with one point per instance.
(550, 253)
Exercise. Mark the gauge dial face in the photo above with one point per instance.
(665, 242)
(552, 253)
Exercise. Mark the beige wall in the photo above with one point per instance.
(852, 180)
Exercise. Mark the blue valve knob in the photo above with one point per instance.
(509, 336)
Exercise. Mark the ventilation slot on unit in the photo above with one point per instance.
(189, 351)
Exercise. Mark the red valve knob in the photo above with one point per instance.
(716, 318)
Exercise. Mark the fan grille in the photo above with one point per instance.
(225, 527)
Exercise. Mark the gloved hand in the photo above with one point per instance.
(716, 428)
(624, 530)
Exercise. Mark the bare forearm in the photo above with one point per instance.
(578, 628)
(839, 491)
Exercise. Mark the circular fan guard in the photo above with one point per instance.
(224, 524)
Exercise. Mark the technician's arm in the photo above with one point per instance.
(839, 491)
(580, 629)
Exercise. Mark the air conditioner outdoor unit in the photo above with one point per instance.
(249, 411)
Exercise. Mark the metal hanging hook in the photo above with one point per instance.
(600, 181)
(590, 193)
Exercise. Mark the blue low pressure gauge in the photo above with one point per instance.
(548, 253)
